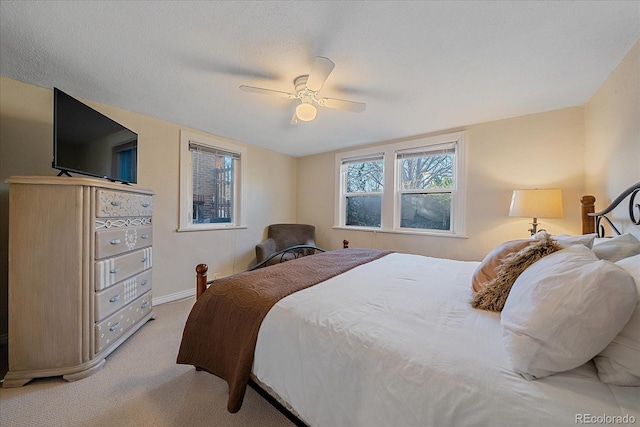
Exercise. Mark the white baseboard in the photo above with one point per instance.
(4, 338)
(172, 297)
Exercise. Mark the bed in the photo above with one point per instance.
(373, 338)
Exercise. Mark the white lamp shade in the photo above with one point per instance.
(536, 203)
(306, 112)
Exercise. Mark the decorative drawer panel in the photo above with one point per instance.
(112, 328)
(112, 270)
(121, 203)
(113, 223)
(117, 296)
(114, 242)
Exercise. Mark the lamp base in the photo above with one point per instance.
(534, 226)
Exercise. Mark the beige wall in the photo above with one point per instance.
(543, 150)
(26, 147)
(612, 136)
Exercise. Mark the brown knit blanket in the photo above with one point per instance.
(222, 329)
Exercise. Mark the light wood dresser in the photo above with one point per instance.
(80, 256)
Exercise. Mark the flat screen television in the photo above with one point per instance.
(89, 143)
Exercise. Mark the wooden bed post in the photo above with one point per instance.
(201, 279)
(588, 222)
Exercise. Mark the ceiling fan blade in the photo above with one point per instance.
(294, 119)
(262, 91)
(320, 71)
(340, 104)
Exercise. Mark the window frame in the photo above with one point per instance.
(344, 165)
(431, 149)
(239, 219)
(392, 186)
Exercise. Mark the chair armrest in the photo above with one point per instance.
(265, 249)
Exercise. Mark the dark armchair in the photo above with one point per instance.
(283, 236)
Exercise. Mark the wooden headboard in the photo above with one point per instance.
(592, 220)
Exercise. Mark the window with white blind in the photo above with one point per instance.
(211, 183)
(414, 186)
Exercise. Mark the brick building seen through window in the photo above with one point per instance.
(212, 186)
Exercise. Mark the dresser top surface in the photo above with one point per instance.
(65, 180)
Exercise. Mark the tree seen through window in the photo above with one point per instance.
(427, 181)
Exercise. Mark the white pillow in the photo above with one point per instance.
(619, 363)
(617, 248)
(599, 240)
(563, 310)
(565, 240)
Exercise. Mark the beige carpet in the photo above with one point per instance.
(140, 385)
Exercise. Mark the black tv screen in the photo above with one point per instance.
(90, 143)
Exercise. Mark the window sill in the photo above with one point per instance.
(409, 232)
(211, 228)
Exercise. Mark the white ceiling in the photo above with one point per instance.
(419, 66)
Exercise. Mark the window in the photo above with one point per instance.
(414, 186)
(211, 183)
(363, 196)
(426, 185)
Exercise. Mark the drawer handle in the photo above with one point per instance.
(146, 205)
(115, 298)
(144, 305)
(115, 242)
(116, 203)
(144, 259)
(145, 236)
(144, 282)
(115, 270)
(115, 327)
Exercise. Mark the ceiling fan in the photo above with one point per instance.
(306, 90)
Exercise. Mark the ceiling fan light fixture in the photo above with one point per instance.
(307, 87)
(306, 112)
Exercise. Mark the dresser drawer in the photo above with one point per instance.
(112, 328)
(114, 242)
(112, 270)
(121, 203)
(117, 296)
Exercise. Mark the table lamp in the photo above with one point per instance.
(536, 204)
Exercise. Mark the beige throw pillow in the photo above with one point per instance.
(494, 294)
(488, 268)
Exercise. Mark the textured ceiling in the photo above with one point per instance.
(419, 66)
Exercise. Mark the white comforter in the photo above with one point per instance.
(395, 342)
